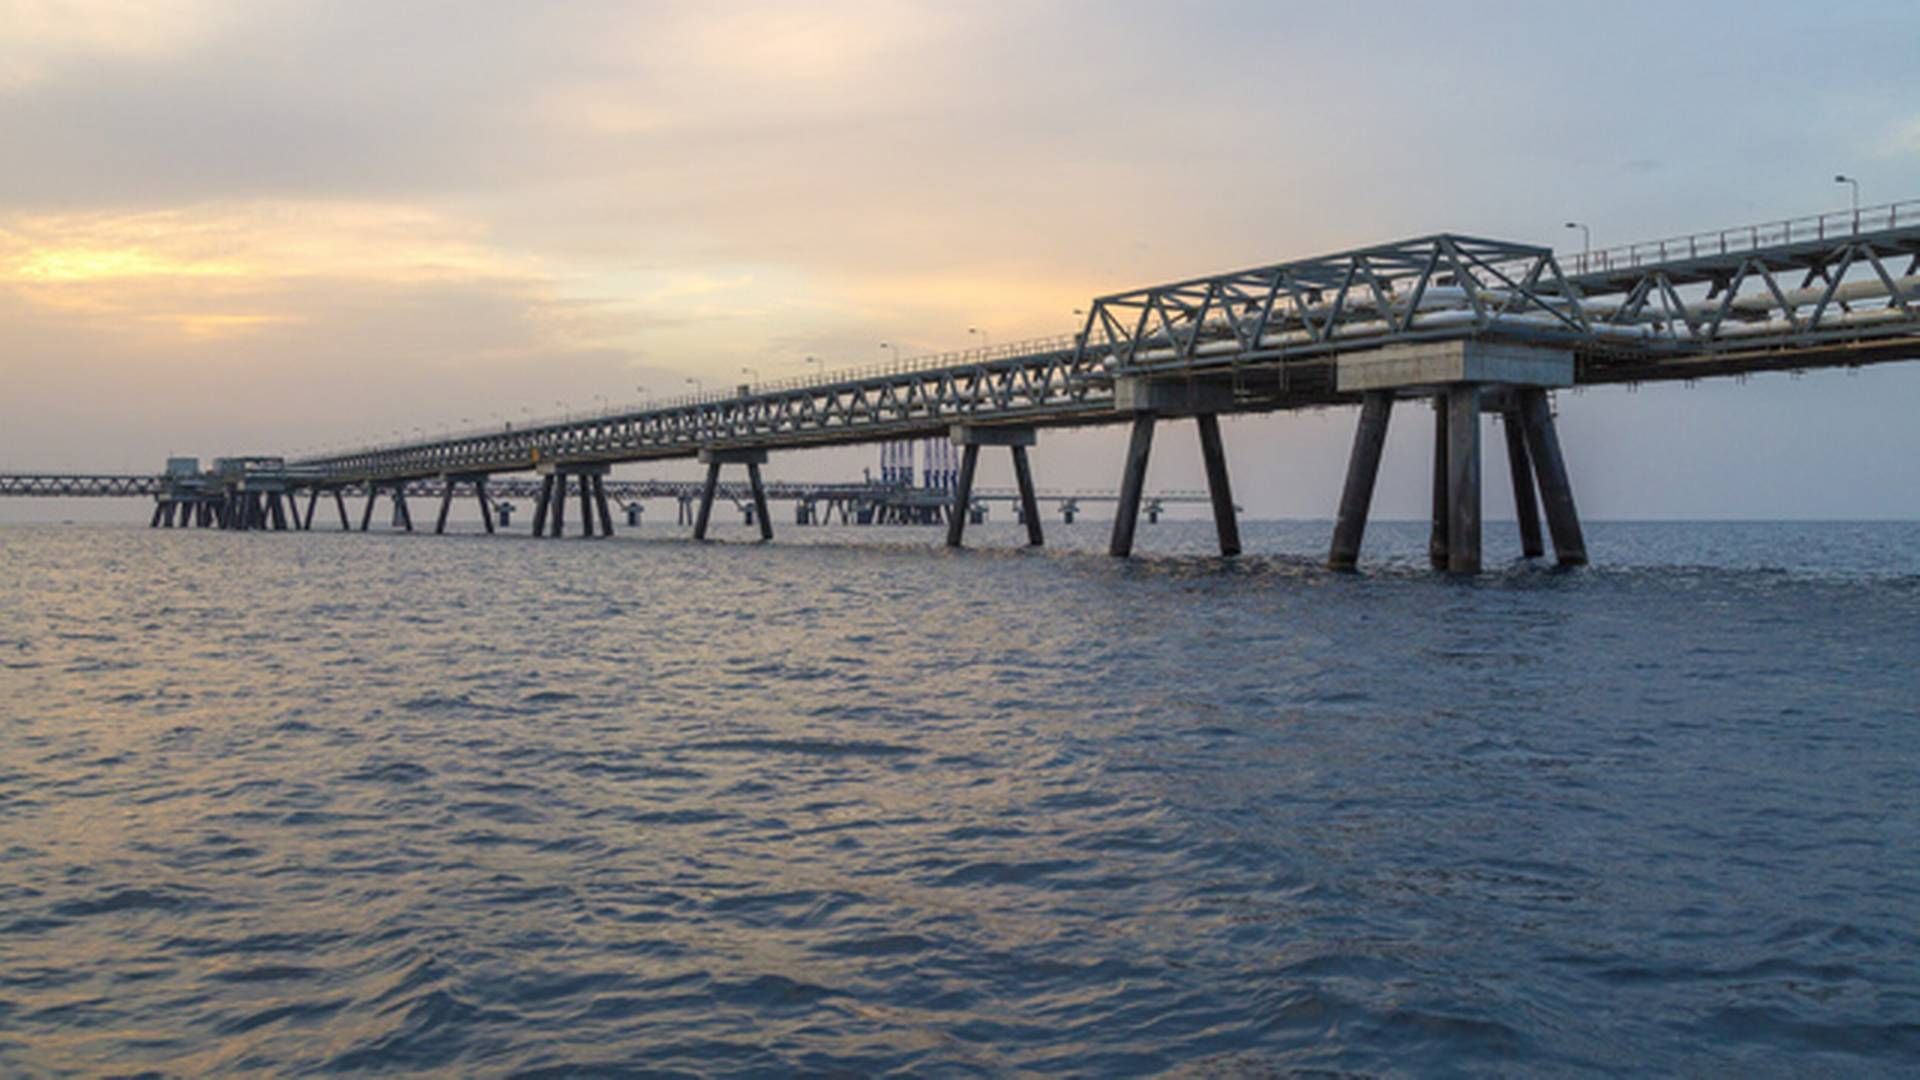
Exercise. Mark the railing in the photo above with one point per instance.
(905, 366)
(1834, 225)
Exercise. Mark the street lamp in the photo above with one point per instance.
(896, 351)
(984, 343)
(1586, 242)
(752, 374)
(698, 386)
(1842, 178)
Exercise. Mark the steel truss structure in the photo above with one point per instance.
(1274, 332)
(1057, 387)
(1852, 291)
(1368, 326)
(75, 485)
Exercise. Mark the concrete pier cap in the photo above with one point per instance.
(1179, 396)
(732, 455)
(574, 468)
(967, 435)
(1435, 364)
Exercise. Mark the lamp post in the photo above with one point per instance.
(752, 374)
(819, 369)
(984, 343)
(1842, 178)
(698, 387)
(896, 351)
(1586, 244)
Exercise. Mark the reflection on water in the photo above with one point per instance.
(850, 802)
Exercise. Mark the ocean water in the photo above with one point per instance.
(852, 804)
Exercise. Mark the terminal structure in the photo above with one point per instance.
(1470, 325)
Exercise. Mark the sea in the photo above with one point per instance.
(852, 804)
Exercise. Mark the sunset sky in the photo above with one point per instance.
(278, 227)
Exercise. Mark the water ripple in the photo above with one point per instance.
(848, 805)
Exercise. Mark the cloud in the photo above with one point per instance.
(380, 211)
(46, 36)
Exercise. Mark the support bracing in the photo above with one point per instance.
(1363, 468)
(707, 492)
(313, 502)
(1543, 445)
(540, 507)
(366, 516)
(1463, 478)
(446, 504)
(340, 504)
(277, 508)
(400, 509)
(1133, 481)
(1214, 453)
(1029, 505)
(760, 501)
(1526, 509)
(962, 494)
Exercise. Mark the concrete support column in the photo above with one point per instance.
(1543, 443)
(1215, 455)
(1133, 481)
(373, 496)
(759, 501)
(1437, 536)
(557, 523)
(313, 503)
(541, 506)
(962, 494)
(752, 458)
(400, 508)
(486, 505)
(586, 505)
(340, 504)
(1526, 509)
(600, 500)
(1463, 478)
(707, 492)
(1029, 505)
(446, 504)
(970, 439)
(1363, 468)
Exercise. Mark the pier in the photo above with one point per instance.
(1464, 325)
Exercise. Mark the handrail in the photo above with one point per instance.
(910, 365)
(1835, 224)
